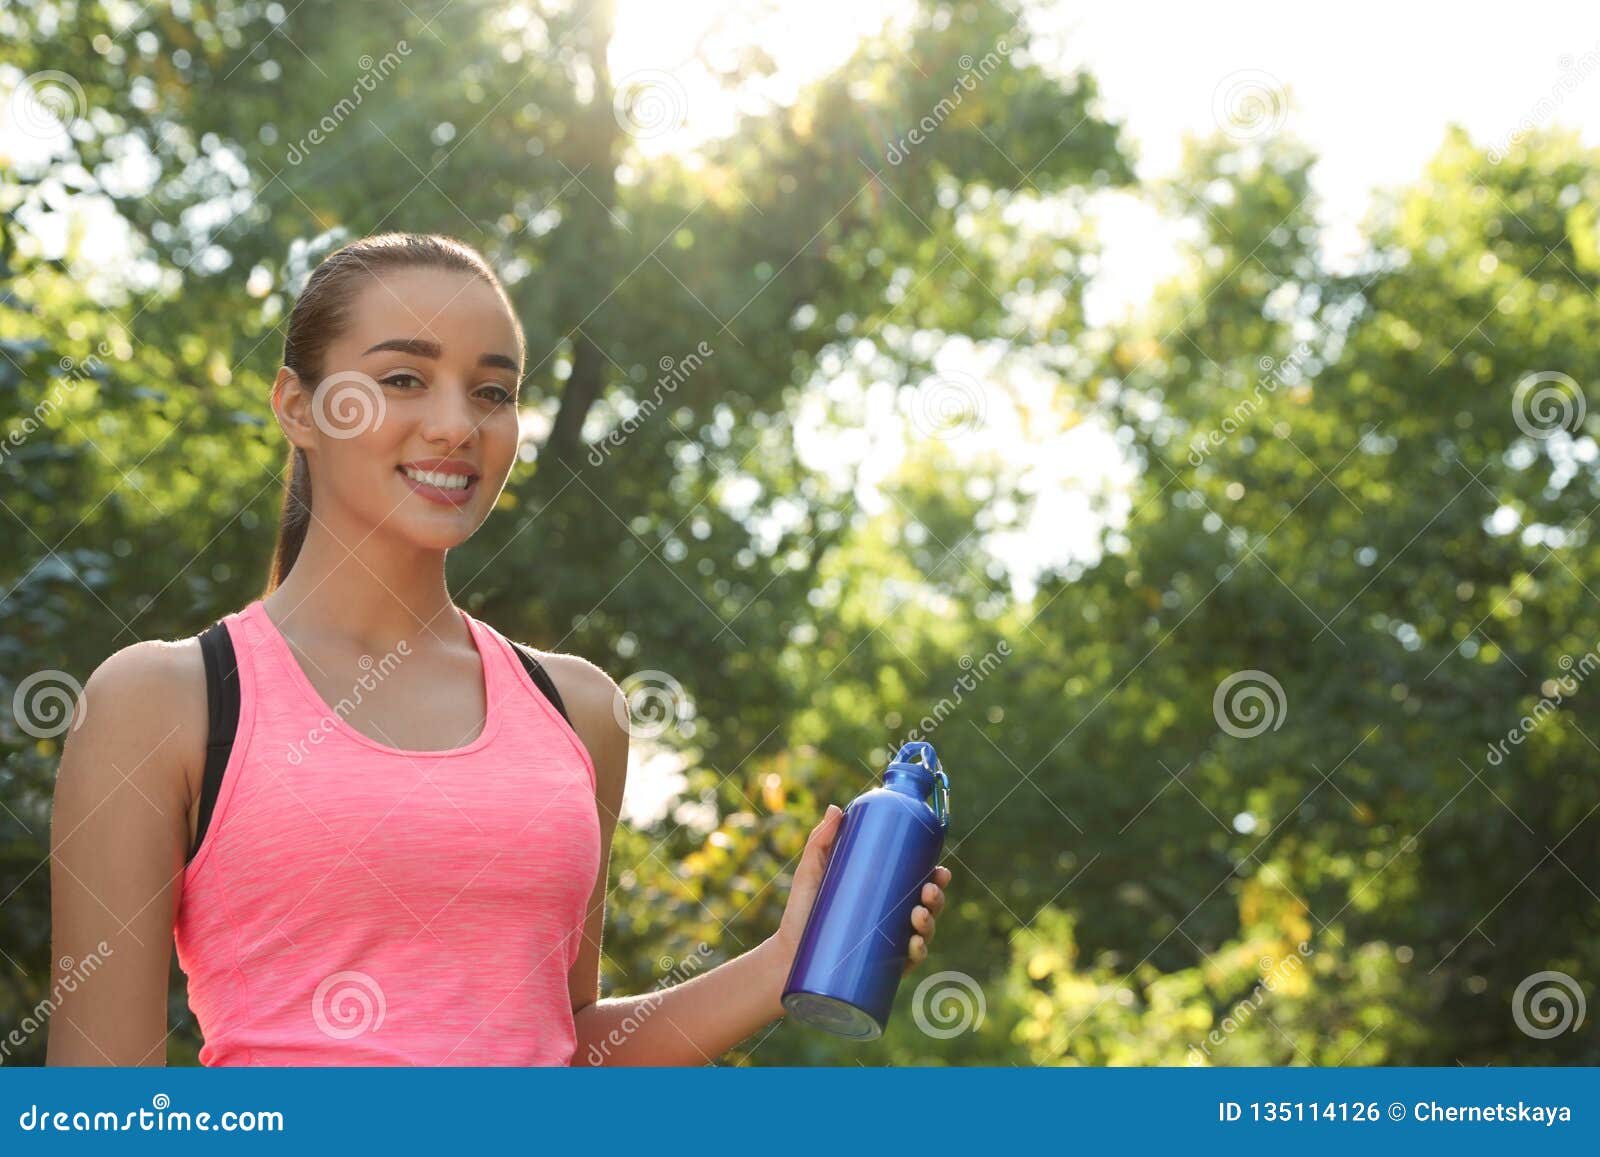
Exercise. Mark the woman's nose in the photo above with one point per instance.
(450, 417)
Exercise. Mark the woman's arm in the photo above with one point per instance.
(118, 836)
(694, 1022)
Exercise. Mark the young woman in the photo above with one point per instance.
(419, 875)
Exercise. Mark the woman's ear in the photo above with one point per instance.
(291, 404)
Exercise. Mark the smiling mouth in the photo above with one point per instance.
(438, 478)
(437, 486)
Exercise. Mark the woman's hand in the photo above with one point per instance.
(808, 881)
(922, 916)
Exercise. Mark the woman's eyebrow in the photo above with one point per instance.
(423, 348)
(410, 345)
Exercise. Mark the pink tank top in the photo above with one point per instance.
(355, 904)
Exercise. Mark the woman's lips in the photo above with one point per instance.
(438, 493)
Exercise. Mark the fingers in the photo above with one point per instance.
(819, 844)
(826, 827)
(923, 917)
(933, 890)
(917, 953)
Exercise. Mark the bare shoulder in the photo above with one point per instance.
(142, 717)
(583, 685)
(599, 713)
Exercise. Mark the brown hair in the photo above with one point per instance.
(319, 317)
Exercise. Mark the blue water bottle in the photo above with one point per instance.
(853, 949)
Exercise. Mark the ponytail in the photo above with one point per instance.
(293, 521)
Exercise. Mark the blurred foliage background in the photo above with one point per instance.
(1386, 530)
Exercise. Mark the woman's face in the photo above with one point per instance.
(418, 396)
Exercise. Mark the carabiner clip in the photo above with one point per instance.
(942, 810)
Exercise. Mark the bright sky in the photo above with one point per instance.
(1374, 84)
(1373, 87)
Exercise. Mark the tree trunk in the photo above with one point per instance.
(594, 161)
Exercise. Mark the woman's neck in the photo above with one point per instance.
(376, 590)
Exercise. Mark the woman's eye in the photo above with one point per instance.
(499, 395)
(401, 380)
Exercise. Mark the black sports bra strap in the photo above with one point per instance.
(222, 700)
(541, 678)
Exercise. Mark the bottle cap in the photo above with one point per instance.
(920, 761)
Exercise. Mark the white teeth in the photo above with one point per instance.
(443, 481)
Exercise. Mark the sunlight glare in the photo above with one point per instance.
(665, 58)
